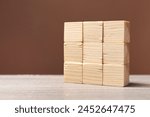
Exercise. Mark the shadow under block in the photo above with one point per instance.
(115, 53)
(73, 31)
(92, 52)
(92, 73)
(116, 31)
(73, 52)
(92, 31)
(115, 75)
(73, 72)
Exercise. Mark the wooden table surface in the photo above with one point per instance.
(51, 87)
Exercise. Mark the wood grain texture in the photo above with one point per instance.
(116, 31)
(92, 31)
(73, 31)
(89, 60)
(92, 73)
(73, 52)
(92, 52)
(52, 87)
(115, 53)
(115, 75)
(73, 72)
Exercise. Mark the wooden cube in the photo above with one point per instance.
(92, 52)
(73, 52)
(115, 53)
(73, 31)
(115, 75)
(116, 31)
(92, 31)
(92, 73)
(73, 72)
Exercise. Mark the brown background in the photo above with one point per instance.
(31, 32)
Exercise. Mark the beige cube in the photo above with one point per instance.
(92, 73)
(115, 53)
(92, 52)
(92, 31)
(73, 72)
(73, 31)
(73, 52)
(116, 31)
(115, 75)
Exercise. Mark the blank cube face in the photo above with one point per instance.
(115, 75)
(116, 31)
(92, 73)
(73, 31)
(92, 52)
(73, 72)
(115, 53)
(73, 52)
(92, 31)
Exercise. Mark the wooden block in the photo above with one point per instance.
(73, 72)
(73, 52)
(92, 31)
(73, 31)
(115, 53)
(116, 31)
(92, 52)
(115, 75)
(92, 73)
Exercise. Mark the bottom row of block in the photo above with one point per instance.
(100, 74)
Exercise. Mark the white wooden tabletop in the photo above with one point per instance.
(51, 87)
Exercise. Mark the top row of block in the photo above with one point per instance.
(97, 31)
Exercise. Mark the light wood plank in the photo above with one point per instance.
(92, 73)
(92, 52)
(115, 75)
(115, 53)
(116, 31)
(73, 31)
(92, 31)
(73, 72)
(73, 52)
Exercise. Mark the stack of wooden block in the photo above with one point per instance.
(116, 53)
(73, 45)
(97, 52)
(92, 52)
